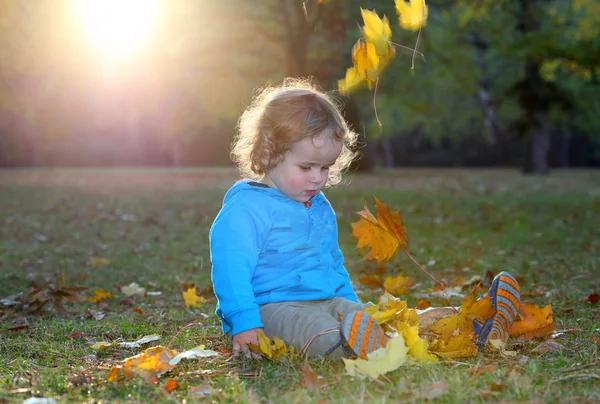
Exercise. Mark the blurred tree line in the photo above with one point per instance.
(503, 82)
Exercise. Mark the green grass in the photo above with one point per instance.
(152, 226)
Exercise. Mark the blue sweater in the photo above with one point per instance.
(268, 248)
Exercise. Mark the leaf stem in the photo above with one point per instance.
(181, 329)
(375, 101)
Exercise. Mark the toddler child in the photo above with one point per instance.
(277, 267)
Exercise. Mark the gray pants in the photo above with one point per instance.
(296, 322)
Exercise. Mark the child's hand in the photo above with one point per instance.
(241, 341)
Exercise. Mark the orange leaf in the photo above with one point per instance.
(171, 385)
(150, 364)
(383, 235)
(422, 304)
(399, 285)
(372, 281)
(534, 322)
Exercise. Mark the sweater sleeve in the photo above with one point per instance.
(236, 238)
(347, 290)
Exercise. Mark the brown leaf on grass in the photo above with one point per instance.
(432, 315)
(534, 322)
(399, 285)
(383, 235)
(76, 335)
(310, 379)
(595, 339)
(476, 371)
(422, 304)
(548, 346)
(371, 281)
(593, 298)
(139, 311)
(171, 385)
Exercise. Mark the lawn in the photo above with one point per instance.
(105, 228)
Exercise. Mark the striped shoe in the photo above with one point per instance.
(361, 334)
(505, 297)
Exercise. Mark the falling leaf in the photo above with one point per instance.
(383, 235)
(372, 281)
(399, 285)
(195, 353)
(100, 295)
(534, 322)
(413, 14)
(593, 298)
(380, 361)
(171, 385)
(133, 289)
(192, 299)
(310, 379)
(368, 66)
(376, 31)
(98, 262)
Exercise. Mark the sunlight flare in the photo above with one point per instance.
(118, 28)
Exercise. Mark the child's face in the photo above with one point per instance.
(305, 169)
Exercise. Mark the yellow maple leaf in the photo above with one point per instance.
(380, 361)
(462, 322)
(192, 299)
(417, 346)
(100, 295)
(376, 31)
(399, 285)
(455, 334)
(368, 66)
(383, 235)
(150, 364)
(534, 322)
(459, 346)
(274, 349)
(413, 15)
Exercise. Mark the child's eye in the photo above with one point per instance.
(304, 168)
(325, 168)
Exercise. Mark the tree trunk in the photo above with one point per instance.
(388, 153)
(492, 122)
(540, 145)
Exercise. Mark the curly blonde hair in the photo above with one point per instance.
(280, 116)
